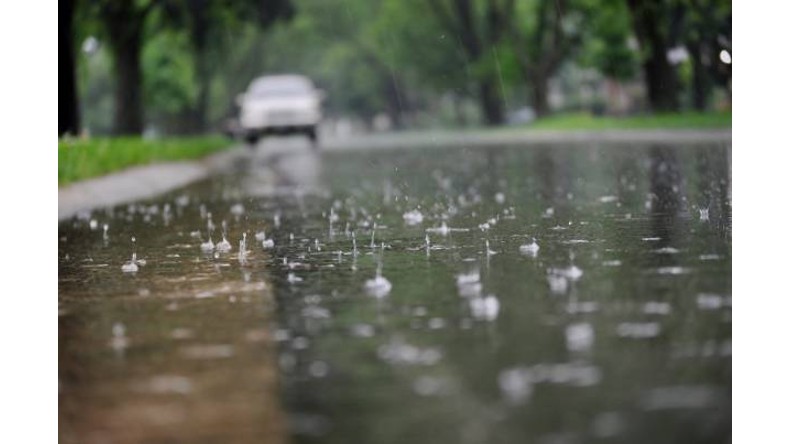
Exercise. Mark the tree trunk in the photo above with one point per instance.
(199, 122)
(540, 95)
(701, 84)
(458, 108)
(200, 25)
(491, 102)
(662, 84)
(395, 103)
(128, 89)
(124, 24)
(68, 108)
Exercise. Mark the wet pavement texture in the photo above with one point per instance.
(548, 294)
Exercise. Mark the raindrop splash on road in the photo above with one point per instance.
(619, 328)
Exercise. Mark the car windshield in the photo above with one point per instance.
(280, 87)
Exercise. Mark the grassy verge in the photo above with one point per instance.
(583, 121)
(82, 159)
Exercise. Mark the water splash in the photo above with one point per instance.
(558, 284)
(638, 330)
(681, 397)
(572, 272)
(119, 340)
(656, 308)
(243, 249)
(237, 210)
(530, 249)
(579, 337)
(208, 246)
(468, 284)
(709, 301)
(266, 243)
(517, 383)
(379, 286)
(224, 246)
(210, 223)
(398, 352)
(443, 229)
(333, 217)
(132, 265)
(484, 308)
(413, 217)
(489, 251)
(472, 277)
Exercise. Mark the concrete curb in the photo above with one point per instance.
(139, 182)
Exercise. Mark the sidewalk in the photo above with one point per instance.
(139, 182)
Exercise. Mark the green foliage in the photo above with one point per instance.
(81, 159)
(170, 84)
(585, 121)
(415, 43)
(606, 45)
(374, 56)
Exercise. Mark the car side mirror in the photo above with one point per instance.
(240, 99)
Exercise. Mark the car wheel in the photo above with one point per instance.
(312, 134)
(251, 139)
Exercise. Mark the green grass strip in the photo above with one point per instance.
(585, 121)
(82, 159)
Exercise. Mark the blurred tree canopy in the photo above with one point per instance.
(176, 66)
(168, 31)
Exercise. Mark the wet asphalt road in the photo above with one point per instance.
(616, 328)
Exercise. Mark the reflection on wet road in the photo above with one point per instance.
(512, 294)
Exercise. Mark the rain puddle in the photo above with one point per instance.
(464, 295)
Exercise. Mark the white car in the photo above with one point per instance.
(280, 104)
